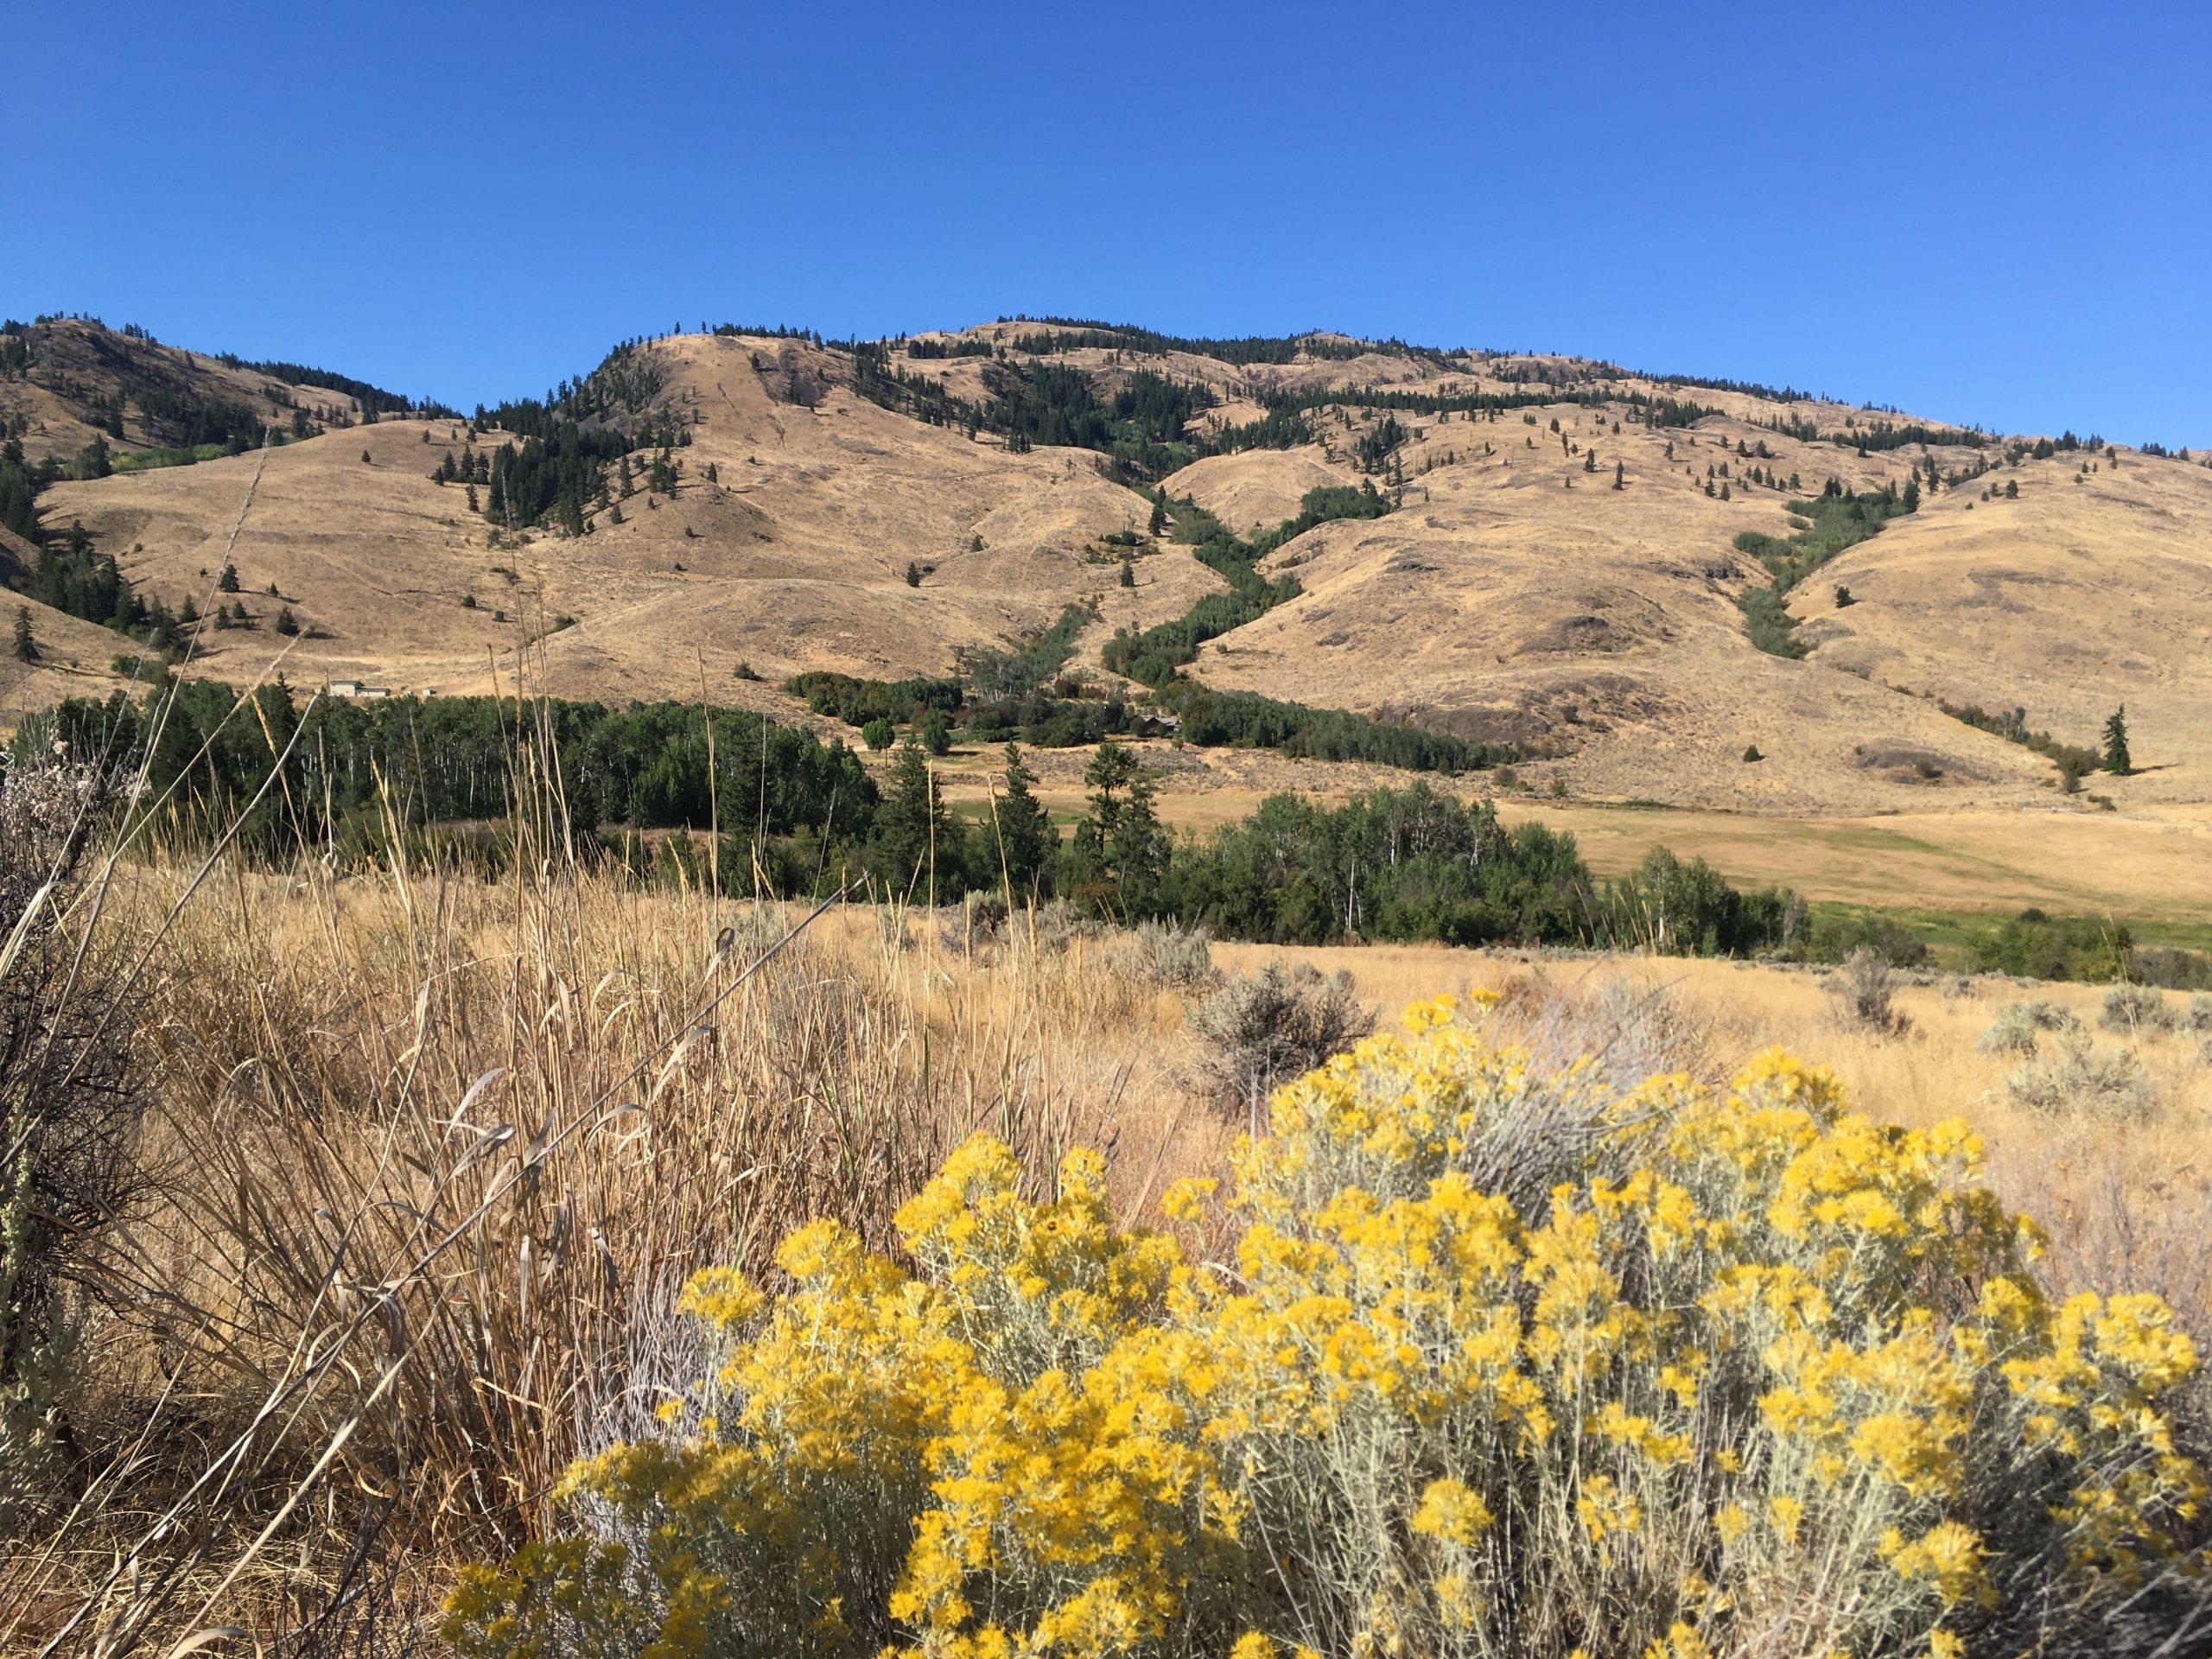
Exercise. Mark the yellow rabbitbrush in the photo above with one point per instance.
(1509, 1363)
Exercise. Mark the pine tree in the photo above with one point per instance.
(228, 581)
(2117, 759)
(1620, 475)
(914, 574)
(286, 622)
(1912, 491)
(910, 826)
(1128, 572)
(1158, 521)
(26, 642)
(1026, 836)
(1122, 840)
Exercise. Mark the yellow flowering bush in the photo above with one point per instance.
(1508, 1361)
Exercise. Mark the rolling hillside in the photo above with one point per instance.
(1514, 594)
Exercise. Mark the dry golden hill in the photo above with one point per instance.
(1518, 595)
(1515, 593)
(793, 558)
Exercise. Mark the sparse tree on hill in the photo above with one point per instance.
(1128, 572)
(2117, 759)
(228, 581)
(365, 461)
(1159, 520)
(286, 622)
(472, 498)
(26, 641)
(1620, 475)
(914, 574)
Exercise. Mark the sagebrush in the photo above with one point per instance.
(1754, 1374)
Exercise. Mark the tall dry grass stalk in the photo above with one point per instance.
(425, 1162)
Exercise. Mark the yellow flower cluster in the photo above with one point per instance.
(1732, 1364)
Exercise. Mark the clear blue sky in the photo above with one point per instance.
(2000, 214)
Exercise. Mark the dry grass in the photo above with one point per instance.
(427, 1159)
(427, 1162)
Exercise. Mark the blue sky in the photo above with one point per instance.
(2000, 214)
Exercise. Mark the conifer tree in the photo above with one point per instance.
(910, 827)
(1121, 842)
(1159, 520)
(914, 574)
(2117, 759)
(1025, 828)
(26, 642)
(1620, 474)
(228, 581)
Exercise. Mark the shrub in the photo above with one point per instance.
(2013, 1031)
(69, 1114)
(1834, 940)
(2086, 1082)
(2198, 1015)
(1165, 954)
(2137, 1008)
(1863, 988)
(1261, 1030)
(1756, 1375)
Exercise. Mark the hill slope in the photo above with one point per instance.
(1515, 593)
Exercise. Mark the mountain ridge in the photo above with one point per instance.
(1514, 594)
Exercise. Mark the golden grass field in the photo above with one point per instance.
(2151, 863)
